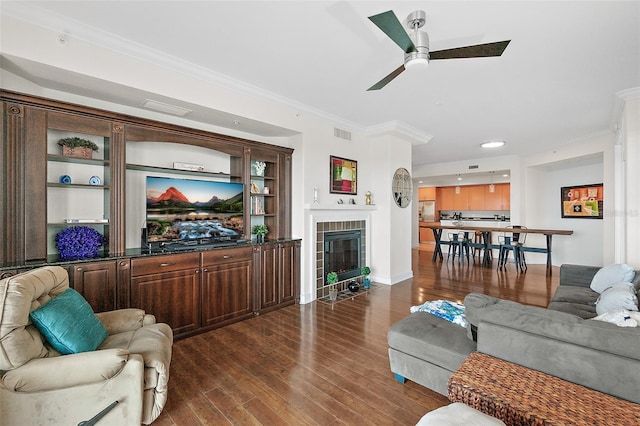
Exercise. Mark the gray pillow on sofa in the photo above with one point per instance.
(611, 274)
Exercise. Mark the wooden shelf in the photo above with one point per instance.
(76, 185)
(158, 169)
(77, 160)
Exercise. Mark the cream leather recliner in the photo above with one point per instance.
(39, 386)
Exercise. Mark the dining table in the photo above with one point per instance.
(486, 239)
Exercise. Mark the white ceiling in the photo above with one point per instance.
(555, 83)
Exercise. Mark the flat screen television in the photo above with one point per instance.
(188, 210)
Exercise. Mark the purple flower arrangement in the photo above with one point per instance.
(79, 242)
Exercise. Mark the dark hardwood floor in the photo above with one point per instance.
(322, 364)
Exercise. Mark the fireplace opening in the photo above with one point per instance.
(342, 253)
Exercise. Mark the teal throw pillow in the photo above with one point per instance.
(69, 324)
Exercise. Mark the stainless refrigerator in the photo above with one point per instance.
(427, 211)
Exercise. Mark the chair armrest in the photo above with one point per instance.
(45, 374)
(123, 320)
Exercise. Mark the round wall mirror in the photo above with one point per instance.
(402, 188)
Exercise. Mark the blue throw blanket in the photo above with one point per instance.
(450, 311)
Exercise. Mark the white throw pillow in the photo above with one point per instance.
(611, 274)
(619, 296)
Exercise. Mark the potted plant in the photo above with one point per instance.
(77, 147)
(366, 281)
(332, 279)
(260, 231)
(79, 242)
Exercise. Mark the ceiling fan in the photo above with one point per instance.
(416, 46)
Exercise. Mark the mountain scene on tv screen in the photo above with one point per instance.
(171, 215)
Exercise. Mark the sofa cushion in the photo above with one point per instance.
(619, 296)
(427, 337)
(575, 294)
(69, 324)
(611, 274)
(577, 309)
(575, 300)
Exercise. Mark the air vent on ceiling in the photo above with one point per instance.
(342, 134)
(166, 108)
(473, 167)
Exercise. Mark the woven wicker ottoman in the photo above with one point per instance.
(520, 396)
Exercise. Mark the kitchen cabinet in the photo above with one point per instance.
(426, 235)
(426, 193)
(473, 197)
(461, 198)
(446, 197)
(477, 197)
(227, 291)
(500, 198)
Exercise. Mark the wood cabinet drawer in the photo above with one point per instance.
(165, 263)
(216, 257)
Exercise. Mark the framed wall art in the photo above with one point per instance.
(344, 176)
(583, 202)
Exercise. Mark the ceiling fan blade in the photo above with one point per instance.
(379, 85)
(390, 25)
(475, 51)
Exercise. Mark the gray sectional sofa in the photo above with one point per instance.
(560, 340)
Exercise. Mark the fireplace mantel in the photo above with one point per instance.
(340, 207)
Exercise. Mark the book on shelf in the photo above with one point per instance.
(256, 206)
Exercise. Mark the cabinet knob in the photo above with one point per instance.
(123, 263)
(79, 269)
(205, 270)
(165, 264)
(226, 256)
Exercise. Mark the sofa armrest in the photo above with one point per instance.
(45, 374)
(123, 320)
(577, 275)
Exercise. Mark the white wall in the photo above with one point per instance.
(391, 225)
(631, 155)
(586, 161)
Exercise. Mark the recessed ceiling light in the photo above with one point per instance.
(493, 144)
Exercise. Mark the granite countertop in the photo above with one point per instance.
(135, 252)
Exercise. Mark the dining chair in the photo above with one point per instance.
(512, 240)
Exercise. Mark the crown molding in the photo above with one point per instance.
(618, 106)
(72, 28)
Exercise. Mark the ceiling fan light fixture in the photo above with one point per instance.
(493, 144)
(420, 57)
(417, 62)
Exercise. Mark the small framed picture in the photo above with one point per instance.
(344, 176)
(582, 202)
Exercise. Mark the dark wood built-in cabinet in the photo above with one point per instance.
(97, 282)
(168, 286)
(192, 291)
(227, 286)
